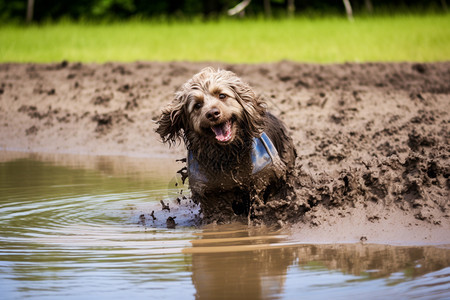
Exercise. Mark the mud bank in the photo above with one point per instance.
(373, 139)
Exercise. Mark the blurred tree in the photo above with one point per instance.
(369, 6)
(41, 10)
(348, 9)
(239, 9)
(290, 8)
(267, 9)
(30, 9)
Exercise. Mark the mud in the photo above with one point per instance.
(372, 138)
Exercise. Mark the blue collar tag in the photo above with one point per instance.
(263, 153)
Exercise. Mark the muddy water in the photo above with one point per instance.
(91, 227)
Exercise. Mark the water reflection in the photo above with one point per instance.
(267, 265)
(81, 227)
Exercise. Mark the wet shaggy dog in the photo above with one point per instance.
(239, 155)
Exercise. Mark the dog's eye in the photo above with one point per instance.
(222, 96)
(197, 105)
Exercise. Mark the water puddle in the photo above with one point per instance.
(87, 227)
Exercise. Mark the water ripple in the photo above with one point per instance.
(78, 233)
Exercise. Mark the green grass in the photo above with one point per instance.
(323, 40)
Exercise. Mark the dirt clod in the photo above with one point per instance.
(165, 206)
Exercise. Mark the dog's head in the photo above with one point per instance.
(215, 105)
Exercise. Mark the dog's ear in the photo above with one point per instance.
(172, 122)
(254, 107)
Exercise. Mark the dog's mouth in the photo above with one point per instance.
(223, 131)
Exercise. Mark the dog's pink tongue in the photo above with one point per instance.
(222, 131)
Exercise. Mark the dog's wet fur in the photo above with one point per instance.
(217, 115)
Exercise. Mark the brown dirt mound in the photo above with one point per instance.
(371, 138)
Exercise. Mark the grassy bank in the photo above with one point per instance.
(323, 40)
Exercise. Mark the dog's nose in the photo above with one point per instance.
(213, 114)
